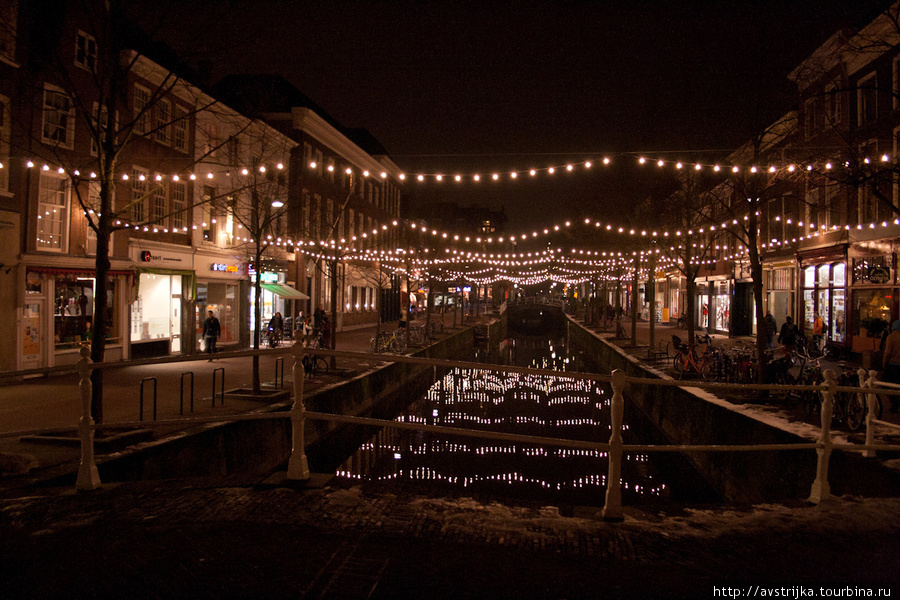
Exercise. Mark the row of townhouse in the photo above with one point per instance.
(199, 184)
(828, 231)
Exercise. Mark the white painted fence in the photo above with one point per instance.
(298, 468)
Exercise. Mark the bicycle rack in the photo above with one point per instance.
(279, 368)
(222, 386)
(143, 381)
(181, 398)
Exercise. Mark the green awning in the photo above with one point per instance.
(285, 291)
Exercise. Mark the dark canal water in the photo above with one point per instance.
(537, 405)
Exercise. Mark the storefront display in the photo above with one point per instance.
(824, 294)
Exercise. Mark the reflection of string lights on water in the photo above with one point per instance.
(519, 403)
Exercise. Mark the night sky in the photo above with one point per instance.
(464, 87)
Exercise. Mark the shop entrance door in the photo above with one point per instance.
(32, 345)
(742, 309)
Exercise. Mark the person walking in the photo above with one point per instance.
(788, 335)
(818, 332)
(211, 331)
(891, 362)
(770, 329)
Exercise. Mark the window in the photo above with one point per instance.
(53, 199)
(90, 244)
(163, 121)
(234, 151)
(4, 143)
(85, 51)
(329, 220)
(180, 130)
(138, 195)
(141, 110)
(306, 232)
(209, 213)
(330, 167)
(99, 119)
(159, 208)
(179, 204)
(59, 118)
(811, 125)
(8, 20)
(867, 200)
(318, 159)
(212, 140)
(867, 94)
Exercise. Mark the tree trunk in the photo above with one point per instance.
(334, 303)
(634, 302)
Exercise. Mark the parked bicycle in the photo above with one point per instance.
(314, 365)
(849, 408)
(393, 342)
(688, 360)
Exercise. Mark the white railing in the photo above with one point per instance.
(298, 467)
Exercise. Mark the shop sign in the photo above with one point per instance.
(268, 277)
(156, 258)
(223, 268)
(879, 275)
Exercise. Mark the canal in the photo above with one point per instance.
(526, 404)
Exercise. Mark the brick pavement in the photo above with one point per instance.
(194, 539)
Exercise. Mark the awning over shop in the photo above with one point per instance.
(285, 291)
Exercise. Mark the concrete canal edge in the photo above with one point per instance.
(261, 446)
(694, 416)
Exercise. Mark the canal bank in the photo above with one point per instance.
(692, 416)
(223, 450)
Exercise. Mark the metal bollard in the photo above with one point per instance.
(820, 488)
(612, 510)
(143, 381)
(181, 397)
(298, 465)
(279, 368)
(214, 386)
(88, 477)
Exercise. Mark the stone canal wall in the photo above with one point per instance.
(223, 449)
(694, 416)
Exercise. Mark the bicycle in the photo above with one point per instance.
(273, 337)
(385, 341)
(686, 361)
(435, 328)
(416, 335)
(314, 365)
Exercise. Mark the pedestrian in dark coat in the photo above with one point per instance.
(211, 331)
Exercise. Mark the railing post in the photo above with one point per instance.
(820, 488)
(298, 466)
(871, 402)
(88, 477)
(612, 511)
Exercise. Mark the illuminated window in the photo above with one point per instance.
(138, 195)
(53, 210)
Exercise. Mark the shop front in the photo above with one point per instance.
(58, 311)
(874, 300)
(714, 305)
(823, 292)
(162, 302)
(219, 283)
(276, 296)
(780, 291)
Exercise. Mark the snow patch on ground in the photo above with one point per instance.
(836, 516)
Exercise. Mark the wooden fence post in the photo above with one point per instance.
(871, 402)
